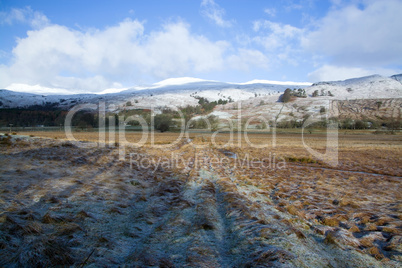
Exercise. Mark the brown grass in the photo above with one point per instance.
(331, 221)
(85, 196)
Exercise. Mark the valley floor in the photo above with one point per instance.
(200, 201)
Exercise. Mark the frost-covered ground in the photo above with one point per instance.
(65, 205)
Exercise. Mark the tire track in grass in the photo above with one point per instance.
(275, 238)
(239, 242)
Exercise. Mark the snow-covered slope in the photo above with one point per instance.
(397, 77)
(178, 81)
(13, 99)
(174, 92)
(353, 98)
(369, 87)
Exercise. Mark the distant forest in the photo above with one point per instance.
(50, 115)
(21, 117)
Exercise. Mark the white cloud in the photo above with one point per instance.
(24, 15)
(280, 41)
(276, 35)
(90, 60)
(333, 73)
(270, 12)
(15, 15)
(175, 51)
(245, 59)
(298, 5)
(354, 38)
(215, 13)
(364, 35)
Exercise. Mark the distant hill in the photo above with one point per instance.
(372, 97)
(369, 87)
(171, 92)
(375, 98)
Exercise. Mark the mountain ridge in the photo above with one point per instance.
(186, 91)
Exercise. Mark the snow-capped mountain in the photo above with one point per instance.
(12, 99)
(370, 97)
(368, 87)
(176, 92)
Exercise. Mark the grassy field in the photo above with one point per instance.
(201, 200)
(347, 137)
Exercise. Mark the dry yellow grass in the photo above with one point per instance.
(205, 205)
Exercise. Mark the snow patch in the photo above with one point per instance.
(287, 83)
(368, 87)
(38, 89)
(178, 81)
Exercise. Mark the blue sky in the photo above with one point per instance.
(89, 46)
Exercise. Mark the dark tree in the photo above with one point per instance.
(163, 122)
(359, 124)
(286, 95)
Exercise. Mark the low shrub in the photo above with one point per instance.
(5, 140)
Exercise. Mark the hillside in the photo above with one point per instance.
(171, 92)
(373, 97)
(369, 87)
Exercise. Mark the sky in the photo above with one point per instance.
(69, 46)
